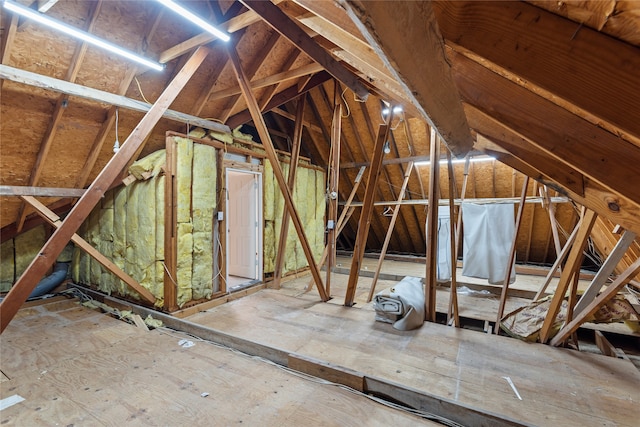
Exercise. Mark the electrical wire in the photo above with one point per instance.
(140, 90)
(345, 104)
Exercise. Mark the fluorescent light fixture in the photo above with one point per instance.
(397, 109)
(195, 19)
(456, 161)
(82, 35)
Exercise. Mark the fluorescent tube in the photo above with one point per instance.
(82, 35)
(195, 19)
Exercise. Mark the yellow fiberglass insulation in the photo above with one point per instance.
(26, 246)
(203, 202)
(7, 265)
(184, 163)
(309, 199)
(120, 196)
(149, 166)
(185, 262)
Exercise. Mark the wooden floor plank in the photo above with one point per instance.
(558, 386)
(96, 370)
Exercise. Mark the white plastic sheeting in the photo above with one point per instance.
(488, 235)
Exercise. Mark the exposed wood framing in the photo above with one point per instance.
(251, 69)
(594, 305)
(453, 233)
(333, 189)
(571, 268)
(58, 111)
(432, 230)
(277, 170)
(11, 190)
(171, 228)
(54, 246)
(615, 206)
(561, 135)
(387, 239)
(512, 255)
(281, 98)
(286, 114)
(347, 210)
(270, 80)
(390, 27)
(583, 71)
(331, 22)
(55, 221)
(291, 182)
(108, 122)
(271, 90)
(231, 26)
(280, 22)
(605, 271)
(558, 262)
(365, 215)
(72, 89)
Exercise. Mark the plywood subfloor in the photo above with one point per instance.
(557, 386)
(75, 366)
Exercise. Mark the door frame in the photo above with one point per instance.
(259, 229)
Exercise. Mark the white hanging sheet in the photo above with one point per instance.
(489, 230)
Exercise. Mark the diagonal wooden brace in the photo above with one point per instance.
(55, 221)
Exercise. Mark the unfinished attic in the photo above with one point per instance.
(215, 212)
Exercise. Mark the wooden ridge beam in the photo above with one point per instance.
(72, 89)
(55, 221)
(277, 170)
(565, 137)
(54, 246)
(365, 215)
(13, 190)
(390, 27)
(579, 65)
(280, 22)
(291, 182)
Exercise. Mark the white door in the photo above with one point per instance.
(243, 219)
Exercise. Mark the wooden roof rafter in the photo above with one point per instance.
(581, 70)
(277, 19)
(386, 26)
(568, 138)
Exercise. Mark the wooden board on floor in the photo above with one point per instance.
(86, 368)
(558, 386)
